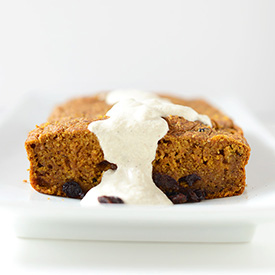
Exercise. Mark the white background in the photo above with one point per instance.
(197, 47)
(207, 48)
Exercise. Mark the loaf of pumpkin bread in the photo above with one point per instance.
(193, 162)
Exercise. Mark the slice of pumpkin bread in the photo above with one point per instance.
(193, 161)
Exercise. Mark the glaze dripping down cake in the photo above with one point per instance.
(193, 160)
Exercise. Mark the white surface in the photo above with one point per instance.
(72, 257)
(27, 256)
(221, 220)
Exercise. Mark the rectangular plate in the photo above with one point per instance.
(220, 220)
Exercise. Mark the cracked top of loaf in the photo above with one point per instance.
(76, 114)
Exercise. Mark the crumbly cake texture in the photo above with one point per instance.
(192, 162)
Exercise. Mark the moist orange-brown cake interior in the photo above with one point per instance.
(63, 150)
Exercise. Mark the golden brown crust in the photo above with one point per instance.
(63, 149)
(84, 107)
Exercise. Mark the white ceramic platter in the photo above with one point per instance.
(221, 220)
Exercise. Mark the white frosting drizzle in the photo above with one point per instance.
(129, 138)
